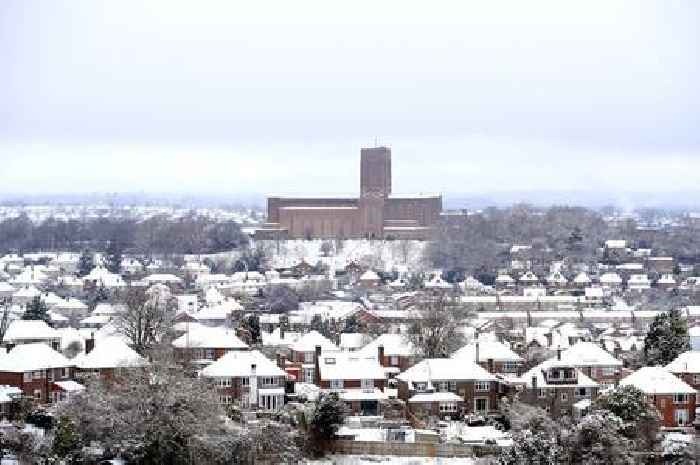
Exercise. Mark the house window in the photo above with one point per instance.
(554, 374)
(394, 361)
(66, 373)
(309, 357)
(680, 398)
(225, 399)
(443, 386)
(541, 393)
(27, 376)
(38, 375)
(564, 397)
(267, 381)
(420, 387)
(336, 384)
(245, 381)
(448, 407)
(367, 384)
(210, 354)
(581, 392)
(309, 375)
(510, 367)
(482, 386)
(681, 417)
(608, 371)
(481, 404)
(37, 394)
(224, 382)
(453, 386)
(696, 379)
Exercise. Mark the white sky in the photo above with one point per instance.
(225, 97)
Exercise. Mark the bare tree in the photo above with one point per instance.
(146, 318)
(435, 332)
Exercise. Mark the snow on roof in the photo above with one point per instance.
(96, 320)
(341, 365)
(69, 335)
(394, 345)
(362, 394)
(20, 330)
(610, 278)
(105, 309)
(435, 397)
(236, 364)
(538, 373)
(9, 393)
(493, 350)
(657, 380)
(582, 278)
(687, 362)
(69, 386)
(444, 369)
(351, 341)
(71, 304)
(6, 287)
(274, 339)
(205, 337)
(309, 341)
(111, 352)
(218, 312)
(584, 354)
(616, 244)
(32, 357)
(369, 275)
(27, 292)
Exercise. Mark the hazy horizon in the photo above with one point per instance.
(475, 99)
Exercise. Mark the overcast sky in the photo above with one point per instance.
(255, 96)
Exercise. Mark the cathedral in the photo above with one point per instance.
(376, 214)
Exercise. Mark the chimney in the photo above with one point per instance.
(282, 333)
(9, 347)
(317, 370)
(534, 385)
(90, 343)
(380, 355)
(476, 353)
(549, 339)
(490, 365)
(559, 353)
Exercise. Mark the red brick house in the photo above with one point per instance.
(249, 379)
(674, 399)
(393, 351)
(302, 355)
(594, 361)
(493, 356)
(203, 345)
(108, 358)
(359, 381)
(479, 389)
(33, 368)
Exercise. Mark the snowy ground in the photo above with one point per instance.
(389, 460)
(380, 255)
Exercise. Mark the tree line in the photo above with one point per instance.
(190, 234)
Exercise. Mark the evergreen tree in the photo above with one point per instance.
(36, 310)
(597, 439)
(252, 324)
(114, 257)
(85, 263)
(66, 439)
(328, 414)
(666, 339)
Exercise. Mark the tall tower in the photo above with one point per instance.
(375, 187)
(375, 172)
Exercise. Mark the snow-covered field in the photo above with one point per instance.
(379, 255)
(389, 460)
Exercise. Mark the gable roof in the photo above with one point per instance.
(237, 364)
(657, 380)
(493, 350)
(394, 345)
(19, 330)
(32, 357)
(309, 341)
(111, 352)
(339, 365)
(209, 338)
(687, 362)
(588, 354)
(445, 369)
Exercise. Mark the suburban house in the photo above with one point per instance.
(302, 355)
(594, 361)
(249, 379)
(393, 351)
(687, 367)
(204, 344)
(34, 368)
(358, 381)
(478, 389)
(108, 357)
(556, 386)
(673, 398)
(30, 331)
(493, 356)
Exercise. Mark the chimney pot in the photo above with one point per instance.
(476, 353)
(558, 353)
(380, 355)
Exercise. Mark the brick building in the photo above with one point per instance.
(377, 213)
